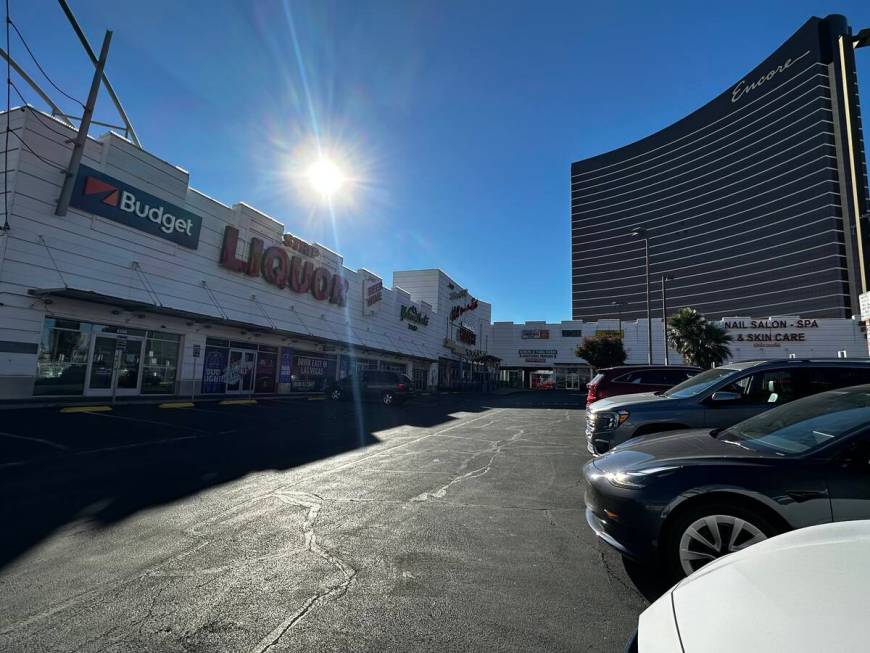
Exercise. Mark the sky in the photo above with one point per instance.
(455, 121)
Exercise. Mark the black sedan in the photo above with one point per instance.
(689, 497)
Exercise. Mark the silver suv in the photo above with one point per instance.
(717, 398)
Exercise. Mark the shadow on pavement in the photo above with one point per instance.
(107, 466)
(650, 580)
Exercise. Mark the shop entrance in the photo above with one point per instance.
(115, 365)
(240, 371)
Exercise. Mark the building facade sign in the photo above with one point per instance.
(769, 333)
(610, 333)
(537, 353)
(458, 294)
(466, 335)
(535, 334)
(114, 200)
(281, 270)
(299, 245)
(372, 293)
(413, 317)
(457, 311)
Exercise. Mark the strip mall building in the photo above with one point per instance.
(148, 287)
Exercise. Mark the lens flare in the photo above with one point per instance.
(325, 177)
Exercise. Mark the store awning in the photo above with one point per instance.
(134, 305)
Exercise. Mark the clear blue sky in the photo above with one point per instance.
(459, 119)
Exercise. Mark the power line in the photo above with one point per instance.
(43, 159)
(45, 74)
(38, 117)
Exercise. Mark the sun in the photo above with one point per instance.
(325, 177)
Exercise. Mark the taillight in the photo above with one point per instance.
(402, 387)
(592, 395)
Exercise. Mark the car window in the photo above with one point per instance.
(672, 377)
(639, 377)
(821, 379)
(699, 383)
(805, 424)
(772, 387)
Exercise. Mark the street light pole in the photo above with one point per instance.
(640, 232)
(665, 279)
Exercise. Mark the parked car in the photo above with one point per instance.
(801, 592)
(680, 500)
(716, 398)
(386, 387)
(631, 379)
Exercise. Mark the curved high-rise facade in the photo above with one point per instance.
(755, 204)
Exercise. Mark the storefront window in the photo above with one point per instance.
(63, 358)
(160, 367)
(394, 367)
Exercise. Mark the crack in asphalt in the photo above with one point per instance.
(314, 504)
(496, 449)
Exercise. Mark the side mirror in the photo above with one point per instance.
(721, 395)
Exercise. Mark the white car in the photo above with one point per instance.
(804, 591)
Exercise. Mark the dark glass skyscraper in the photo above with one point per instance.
(756, 204)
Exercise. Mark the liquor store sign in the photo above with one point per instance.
(537, 355)
(769, 333)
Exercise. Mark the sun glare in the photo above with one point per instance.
(325, 177)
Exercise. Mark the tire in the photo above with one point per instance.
(336, 394)
(707, 532)
(387, 398)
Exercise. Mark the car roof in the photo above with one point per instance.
(808, 362)
(629, 368)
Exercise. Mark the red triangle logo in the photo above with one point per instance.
(94, 186)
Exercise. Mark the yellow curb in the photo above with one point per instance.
(316, 398)
(85, 409)
(237, 402)
(177, 404)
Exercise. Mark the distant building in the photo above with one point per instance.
(756, 203)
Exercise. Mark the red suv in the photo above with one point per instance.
(627, 379)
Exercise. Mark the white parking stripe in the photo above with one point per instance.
(47, 443)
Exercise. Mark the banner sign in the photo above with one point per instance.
(114, 200)
(313, 373)
(285, 370)
(535, 334)
(214, 370)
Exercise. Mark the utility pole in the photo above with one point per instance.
(640, 232)
(82, 137)
(665, 279)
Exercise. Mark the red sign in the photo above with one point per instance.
(457, 311)
(281, 270)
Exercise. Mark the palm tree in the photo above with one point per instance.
(698, 341)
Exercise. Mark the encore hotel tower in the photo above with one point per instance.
(755, 204)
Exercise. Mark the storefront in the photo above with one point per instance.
(83, 359)
(145, 287)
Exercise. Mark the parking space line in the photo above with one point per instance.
(47, 443)
(151, 421)
(176, 404)
(86, 409)
(237, 402)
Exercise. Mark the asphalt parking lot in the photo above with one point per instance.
(450, 524)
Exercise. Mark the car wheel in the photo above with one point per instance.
(703, 534)
(335, 395)
(387, 398)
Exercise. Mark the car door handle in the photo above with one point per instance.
(799, 496)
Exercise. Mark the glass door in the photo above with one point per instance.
(115, 366)
(240, 371)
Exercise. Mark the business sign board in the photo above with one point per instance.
(769, 333)
(537, 353)
(115, 200)
(281, 270)
(610, 333)
(535, 334)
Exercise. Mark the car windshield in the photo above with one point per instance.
(806, 424)
(699, 383)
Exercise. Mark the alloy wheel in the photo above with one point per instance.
(388, 398)
(335, 394)
(714, 536)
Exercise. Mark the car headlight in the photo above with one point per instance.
(634, 480)
(609, 420)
